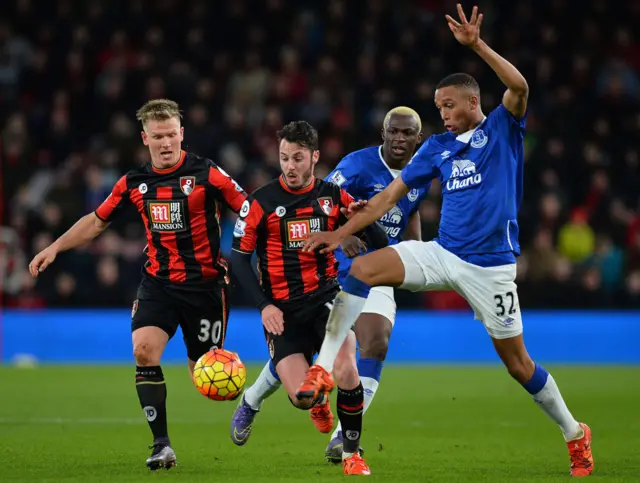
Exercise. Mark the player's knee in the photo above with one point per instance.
(145, 355)
(376, 347)
(363, 271)
(304, 404)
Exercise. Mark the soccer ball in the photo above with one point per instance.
(220, 375)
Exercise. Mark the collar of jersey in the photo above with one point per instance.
(394, 172)
(465, 137)
(183, 154)
(300, 191)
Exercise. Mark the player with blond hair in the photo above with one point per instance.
(179, 196)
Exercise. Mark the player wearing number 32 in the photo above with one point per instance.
(179, 197)
(479, 163)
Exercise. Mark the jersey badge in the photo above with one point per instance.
(326, 205)
(413, 195)
(187, 184)
(479, 139)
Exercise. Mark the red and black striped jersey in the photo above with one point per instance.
(180, 207)
(275, 221)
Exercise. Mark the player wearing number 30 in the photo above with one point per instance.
(179, 197)
(479, 163)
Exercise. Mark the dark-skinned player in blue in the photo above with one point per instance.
(479, 162)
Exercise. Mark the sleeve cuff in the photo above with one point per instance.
(100, 218)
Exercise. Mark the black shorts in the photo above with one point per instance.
(304, 329)
(202, 314)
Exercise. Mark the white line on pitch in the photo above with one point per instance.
(140, 420)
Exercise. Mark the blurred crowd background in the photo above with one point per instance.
(73, 73)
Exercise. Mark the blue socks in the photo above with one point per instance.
(537, 381)
(355, 287)
(370, 368)
(272, 368)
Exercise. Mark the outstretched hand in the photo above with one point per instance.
(353, 246)
(42, 260)
(466, 32)
(353, 208)
(330, 239)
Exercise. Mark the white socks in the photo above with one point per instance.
(550, 401)
(370, 386)
(265, 386)
(346, 309)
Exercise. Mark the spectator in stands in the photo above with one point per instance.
(72, 74)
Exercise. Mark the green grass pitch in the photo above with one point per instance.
(431, 423)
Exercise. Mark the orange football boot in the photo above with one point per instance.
(316, 383)
(322, 416)
(580, 453)
(355, 465)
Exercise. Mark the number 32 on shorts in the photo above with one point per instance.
(210, 331)
(505, 304)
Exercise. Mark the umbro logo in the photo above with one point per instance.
(445, 154)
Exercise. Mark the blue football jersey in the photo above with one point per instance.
(363, 174)
(481, 173)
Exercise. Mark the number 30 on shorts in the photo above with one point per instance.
(210, 332)
(504, 301)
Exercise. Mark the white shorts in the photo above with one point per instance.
(490, 291)
(381, 301)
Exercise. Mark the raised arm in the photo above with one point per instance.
(468, 33)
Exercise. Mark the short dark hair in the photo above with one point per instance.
(459, 79)
(300, 132)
